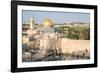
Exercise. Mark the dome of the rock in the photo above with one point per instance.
(48, 23)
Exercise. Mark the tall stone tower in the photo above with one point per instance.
(31, 23)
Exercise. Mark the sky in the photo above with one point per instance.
(56, 17)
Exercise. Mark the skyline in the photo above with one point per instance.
(56, 17)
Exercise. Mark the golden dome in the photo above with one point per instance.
(48, 23)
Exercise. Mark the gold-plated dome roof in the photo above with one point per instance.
(48, 23)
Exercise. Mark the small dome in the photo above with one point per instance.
(48, 23)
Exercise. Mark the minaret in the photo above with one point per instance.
(31, 23)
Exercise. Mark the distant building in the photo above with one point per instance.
(47, 26)
(29, 27)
